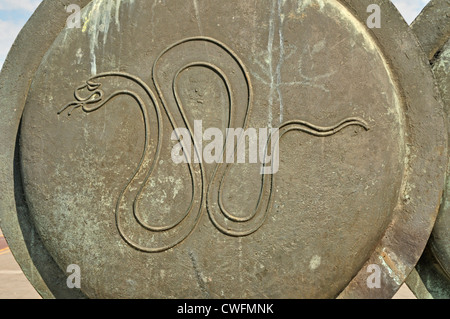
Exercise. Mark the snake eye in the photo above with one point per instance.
(92, 86)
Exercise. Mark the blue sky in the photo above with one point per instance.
(15, 13)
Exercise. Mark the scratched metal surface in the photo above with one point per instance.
(360, 171)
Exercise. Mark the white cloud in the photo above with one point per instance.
(8, 33)
(27, 5)
(10, 28)
(410, 9)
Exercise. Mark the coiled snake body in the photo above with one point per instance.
(167, 68)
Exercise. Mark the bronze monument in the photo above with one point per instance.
(91, 122)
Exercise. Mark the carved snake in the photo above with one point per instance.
(167, 68)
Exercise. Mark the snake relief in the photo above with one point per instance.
(201, 52)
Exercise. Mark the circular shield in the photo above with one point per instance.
(211, 149)
(433, 270)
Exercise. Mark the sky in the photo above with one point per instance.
(15, 13)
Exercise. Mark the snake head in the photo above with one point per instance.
(88, 93)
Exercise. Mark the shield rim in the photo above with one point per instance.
(430, 272)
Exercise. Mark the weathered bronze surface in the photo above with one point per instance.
(93, 182)
(432, 27)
